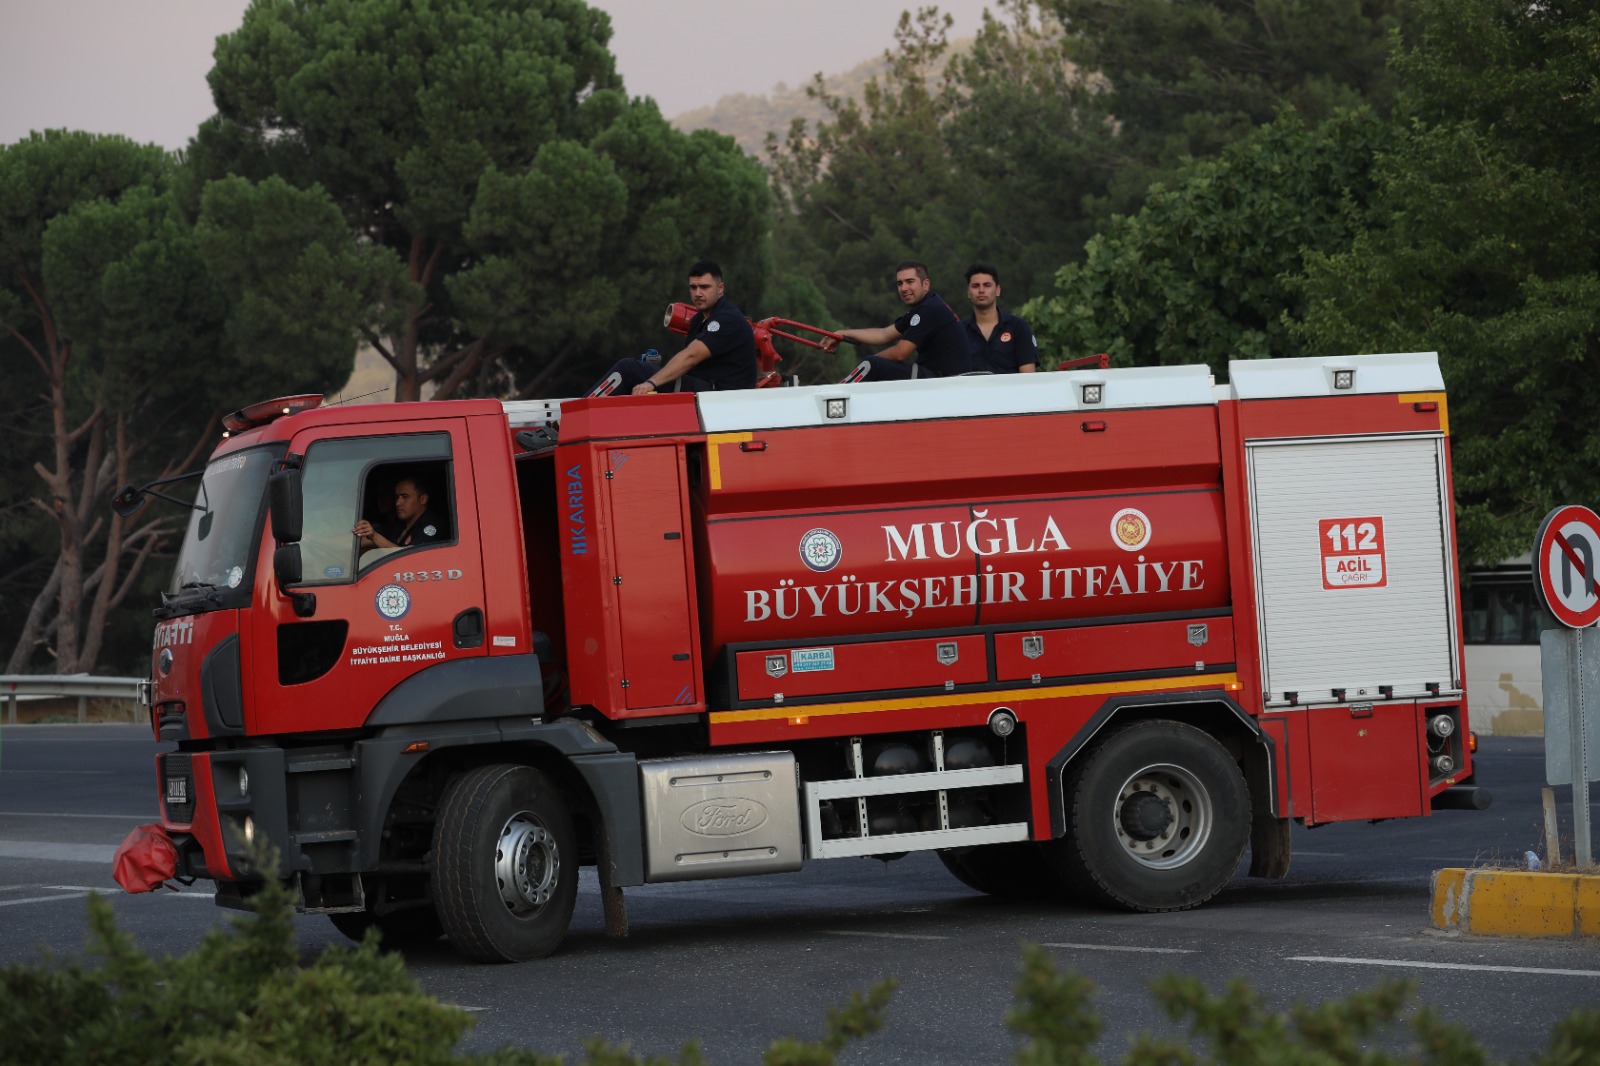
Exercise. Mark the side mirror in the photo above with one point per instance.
(287, 506)
(286, 568)
(286, 565)
(128, 501)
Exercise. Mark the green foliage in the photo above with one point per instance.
(137, 326)
(1485, 249)
(1200, 272)
(245, 997)
(856, 187)
(1186, 79)
(294, 282)
(1062, 113)
(539, 212)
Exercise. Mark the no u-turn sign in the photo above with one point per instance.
(1565, 555)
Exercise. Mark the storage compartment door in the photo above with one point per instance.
(655, 616)
(1353, 558)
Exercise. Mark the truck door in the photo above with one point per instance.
(381, 614)
(1353, 565)
(1356, 611)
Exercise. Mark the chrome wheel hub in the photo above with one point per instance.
(1163, 816)
(527, 864)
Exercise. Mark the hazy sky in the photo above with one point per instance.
(138, 67)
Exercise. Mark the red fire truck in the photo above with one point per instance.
(1092, 632)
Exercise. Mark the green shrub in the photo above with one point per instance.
(245, 998)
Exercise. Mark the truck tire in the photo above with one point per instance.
(400, 930)
(1016, 870)
(1158, 819)
(505, 864)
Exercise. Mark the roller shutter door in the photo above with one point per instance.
(1316, 638)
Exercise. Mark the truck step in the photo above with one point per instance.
(891, 843)
(319, 764)
(324, 836)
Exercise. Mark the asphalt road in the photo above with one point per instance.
(736, 964)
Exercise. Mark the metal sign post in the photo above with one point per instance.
(1566, 553)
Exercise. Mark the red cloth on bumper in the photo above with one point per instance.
(145, 860)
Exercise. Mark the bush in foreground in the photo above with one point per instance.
(244, 998)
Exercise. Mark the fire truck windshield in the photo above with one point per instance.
(220, 545)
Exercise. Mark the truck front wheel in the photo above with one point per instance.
(505, 864)
(1158, 819)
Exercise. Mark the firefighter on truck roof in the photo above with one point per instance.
(997, 340)
(721, 353)
(929, 330)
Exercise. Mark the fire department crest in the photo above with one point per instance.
(777, 665)
(1130, 529)
(393, 601)
(820, 549)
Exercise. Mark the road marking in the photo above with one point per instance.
(116, 891)
(41, 899)
(45, 852)
(1445, 966)
(53, 773)
(63, 814)
(1319, 854)
(1118, 947)
(883, 936)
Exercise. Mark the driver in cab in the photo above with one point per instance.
(413, 522)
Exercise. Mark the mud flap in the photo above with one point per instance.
(1270, 848)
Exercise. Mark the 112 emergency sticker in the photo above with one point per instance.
(1352, 553)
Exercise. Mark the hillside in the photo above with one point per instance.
(748, 118)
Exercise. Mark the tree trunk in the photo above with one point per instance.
(33, 629)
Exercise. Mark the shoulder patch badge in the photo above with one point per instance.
(430, 530)
(915, 319)
(713, 326)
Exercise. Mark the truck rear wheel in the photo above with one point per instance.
(1016, 870)
(1158, 819)
(506, 864)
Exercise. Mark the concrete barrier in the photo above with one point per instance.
(1521, 903)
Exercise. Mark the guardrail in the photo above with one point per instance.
(83, 686)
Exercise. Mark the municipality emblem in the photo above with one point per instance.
(1130, 529)
(1005, 337)
(820, 550)
(393, 601)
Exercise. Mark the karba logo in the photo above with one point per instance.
(577, 523)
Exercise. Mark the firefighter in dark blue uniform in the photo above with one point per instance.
(721, 353)
(998, 341)
(929, 329)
